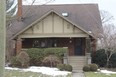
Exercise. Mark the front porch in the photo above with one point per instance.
(76, 46)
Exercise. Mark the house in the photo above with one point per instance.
(75, 26)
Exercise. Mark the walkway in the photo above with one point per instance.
(78, 73)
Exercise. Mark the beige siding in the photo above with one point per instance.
(47, 24)
(76, 30)
(53, 26)
(58, 25)
(68, 28)
(28, 31)
(38, 28)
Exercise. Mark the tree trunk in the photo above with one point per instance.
(107, 64)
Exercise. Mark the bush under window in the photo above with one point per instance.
(37, 55)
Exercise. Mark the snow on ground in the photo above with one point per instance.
(107, 72)
(43, 70)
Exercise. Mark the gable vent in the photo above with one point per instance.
(90, 32)
(65, 14)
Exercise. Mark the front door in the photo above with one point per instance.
(78, 46)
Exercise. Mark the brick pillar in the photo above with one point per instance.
(94, 45)
(18, 45)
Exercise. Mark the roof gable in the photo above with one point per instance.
(48, 13)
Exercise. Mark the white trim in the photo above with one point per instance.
(52, 35)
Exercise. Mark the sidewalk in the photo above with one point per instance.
(78, 74)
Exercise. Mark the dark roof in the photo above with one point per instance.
(86, 16)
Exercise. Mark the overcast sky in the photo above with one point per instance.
(107, 5)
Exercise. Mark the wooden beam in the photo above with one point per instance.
(52, 22)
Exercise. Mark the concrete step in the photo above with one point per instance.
(77, 62)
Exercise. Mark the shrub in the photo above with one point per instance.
(23, 58)
(65, 67)
(113, 60)
(93, 67)
(51, 61)
(60, 67)
(90, 67)
(68, 67)
(86, 68)
(99, 58)
(38, 54)
(15, 62)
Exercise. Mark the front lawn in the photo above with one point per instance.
(96, 74)
(16, 73)
(36, 72)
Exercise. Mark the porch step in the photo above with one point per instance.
(77, 62)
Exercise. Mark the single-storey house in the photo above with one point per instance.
(75, 26)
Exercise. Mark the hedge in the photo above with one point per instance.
(38, 54)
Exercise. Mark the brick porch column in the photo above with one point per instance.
(94, 45)
(18, 45)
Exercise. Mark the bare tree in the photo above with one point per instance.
(106, 17)
(108, 40)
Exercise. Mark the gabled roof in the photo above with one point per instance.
(42, 17)
(87, 16)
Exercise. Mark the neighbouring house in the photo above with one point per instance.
(75, 26)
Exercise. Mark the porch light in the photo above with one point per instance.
(70, 40)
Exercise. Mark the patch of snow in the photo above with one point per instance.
(43, 70)
(107, 72)
(10, 68)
